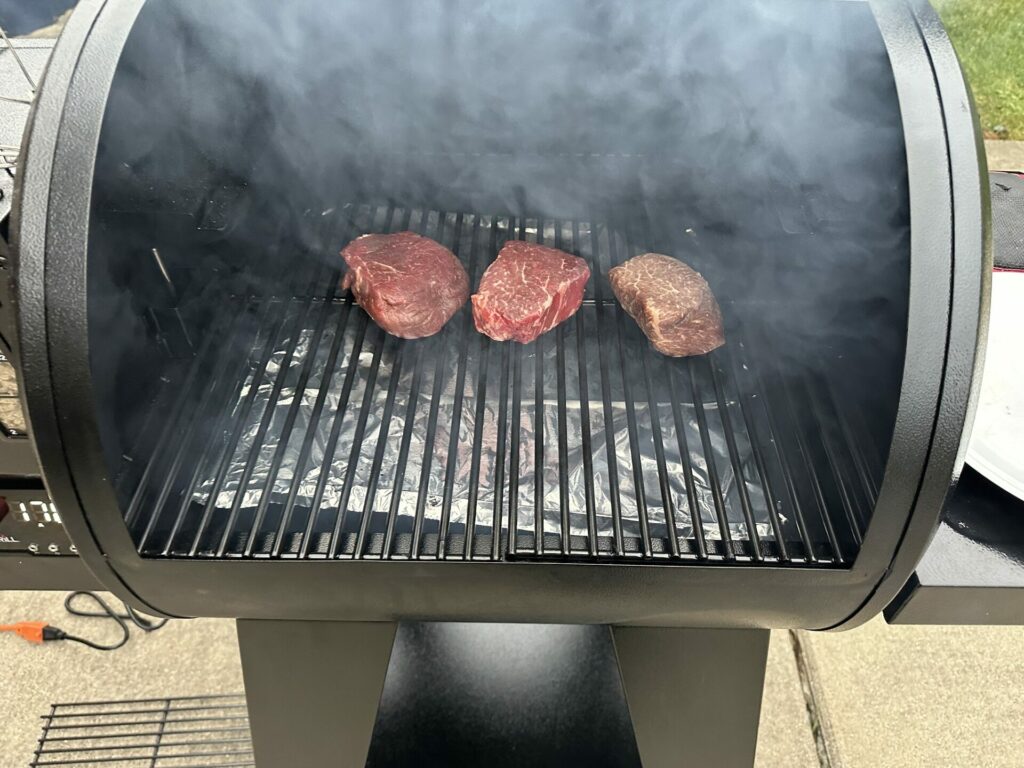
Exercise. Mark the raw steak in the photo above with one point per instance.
(410, 285)
(527, 291)
(670, 302)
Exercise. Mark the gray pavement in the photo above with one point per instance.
(874, 697)
(926, 697)
(1005, 155)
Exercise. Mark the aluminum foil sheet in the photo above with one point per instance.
(591, 422)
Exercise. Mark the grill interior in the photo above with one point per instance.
(248, 410)
(200, 731)
(318, 436)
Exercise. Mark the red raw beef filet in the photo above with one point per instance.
(527, 291)
(672, 304)
(409, 284)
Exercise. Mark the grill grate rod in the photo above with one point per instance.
(337, 536)
(715, 481)
(93, 739)
(659, 449)
(219, 417)
(518, 351)
(809, 469)
(484, 351)
(337, 419)
(538, 443)
(431, 433)
(499, 460)
(288, 509)
(585, 436)
(737, 468)
(410, 413)
(631, 426)
(334, 277)
(563, 422)
(832, 460)
(762, 468)
(275, 394)
(700, 538)
(185, 440)
(277, 312)
(460, 387)
(606, 402)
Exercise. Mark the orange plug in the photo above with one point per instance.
(33, 631)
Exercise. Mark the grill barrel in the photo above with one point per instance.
(793, 513)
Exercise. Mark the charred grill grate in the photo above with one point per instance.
(199, 732)
(312, 434)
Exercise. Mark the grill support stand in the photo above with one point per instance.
(693, 694)
(313, 689)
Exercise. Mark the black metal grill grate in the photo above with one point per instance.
(188, 732)
(309, 433)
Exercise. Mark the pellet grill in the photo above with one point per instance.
(225, 433)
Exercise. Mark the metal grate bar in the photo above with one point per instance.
(852, 446)
(407, 434)
(332, 439)
(832, 458)
(132, 723)
(403, 451)
(774, 439)
(155, 710)
(499, 468)
(384, 342)
(518, 351)
(94, 738)
(142, 734)
(460, 388)
(631, 426)
(431, 432)
(224, 462)
(659, 451)
(737, 468)
(293, 412)
(809, 471)
(601, 467)
(614, 495)
(210, 401)
(261, 434)
(483, 351)
(716, 484)
(538, 445)
(762, 470)
(585, 437)
(164, 441)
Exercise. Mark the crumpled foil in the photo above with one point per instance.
(437, 364)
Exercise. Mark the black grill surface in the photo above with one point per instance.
(303, 431)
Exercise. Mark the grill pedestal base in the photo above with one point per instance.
(313, 688)
(500, 694)
(694, 694)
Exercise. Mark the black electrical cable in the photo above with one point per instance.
(105, 611)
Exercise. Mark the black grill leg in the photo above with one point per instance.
(694, 695)
(313, 688)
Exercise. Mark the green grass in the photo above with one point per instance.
(989, 38)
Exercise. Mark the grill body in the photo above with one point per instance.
(228, 435)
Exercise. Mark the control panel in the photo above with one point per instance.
(30, 522)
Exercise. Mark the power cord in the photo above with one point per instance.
(41, 632)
